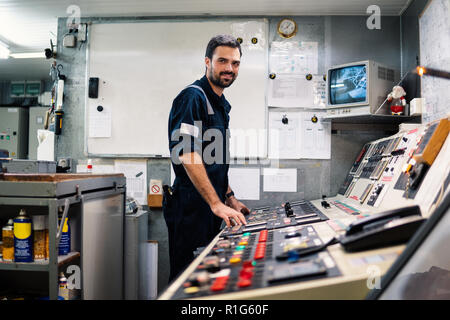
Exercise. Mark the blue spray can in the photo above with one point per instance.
(23, 238)
(64, 242)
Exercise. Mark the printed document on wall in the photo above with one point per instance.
(315, 136)
(284, 135)
(135, 172)
(280, 180)
(245, 183)
(296, 91)
(100, 123)
(293, 57)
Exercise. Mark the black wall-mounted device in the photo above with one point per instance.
(93, 88)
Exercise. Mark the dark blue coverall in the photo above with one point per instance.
(191, 223)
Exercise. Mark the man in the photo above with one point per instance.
(198, 125)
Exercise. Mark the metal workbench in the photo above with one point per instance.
(95, 207)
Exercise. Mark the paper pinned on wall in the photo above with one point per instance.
(135, 172)
(315, 136)
(284, 138)
(299, 137)
(46, 147)
(279, 180)
(245, 183)
(319, 91)
(100, 123)
(293, 57)
(296, 91)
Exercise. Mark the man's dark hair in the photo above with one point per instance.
(221, 40)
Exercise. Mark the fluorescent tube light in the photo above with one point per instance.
(4, 51)
(27, 55)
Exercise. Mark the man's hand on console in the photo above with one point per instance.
(228, 214)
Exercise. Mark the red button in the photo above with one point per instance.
(244, 283)
(219, 284)
(246, 273)
(260, 251)
(263, 236)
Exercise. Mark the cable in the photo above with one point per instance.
(301, 252)
(396, 85)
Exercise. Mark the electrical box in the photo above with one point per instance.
(69, 41)
(14, 131)
(33, 89)
(26, 89)
(36, 122)
(17, 89)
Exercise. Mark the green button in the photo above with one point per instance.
(246, 234)
(239, 248)
(7, 137)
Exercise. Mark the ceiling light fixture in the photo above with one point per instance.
(4, 51)
(27, 55)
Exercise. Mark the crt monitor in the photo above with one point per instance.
(348, 85)
(360, 87)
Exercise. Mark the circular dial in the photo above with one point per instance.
(287, 28)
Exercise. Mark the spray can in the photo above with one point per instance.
(63, 291)
(64, 242)
(23, 238)
(8, 241)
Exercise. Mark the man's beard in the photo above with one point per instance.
(216, 80)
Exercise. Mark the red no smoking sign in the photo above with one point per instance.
(155, 189)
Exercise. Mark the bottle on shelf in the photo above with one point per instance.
(8, 241)
(89, 166)
(39, 243)
(63, 291)
(64, 242)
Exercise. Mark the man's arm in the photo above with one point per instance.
(234, 203)
(192, 163)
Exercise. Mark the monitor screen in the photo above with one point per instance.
(348, 85)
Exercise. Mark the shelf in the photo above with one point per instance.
(38, 265)
(36, 186)
(371, 122)
(24, 266)
(373, 119)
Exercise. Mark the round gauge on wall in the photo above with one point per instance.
(287, 28)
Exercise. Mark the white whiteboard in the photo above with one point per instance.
(142, 66)
(434, 25)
